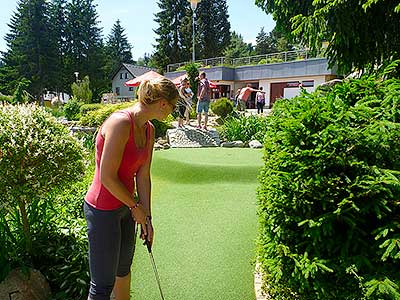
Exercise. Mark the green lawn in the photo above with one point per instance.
(204, 213)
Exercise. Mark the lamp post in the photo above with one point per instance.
(76, 76)
(193, 5)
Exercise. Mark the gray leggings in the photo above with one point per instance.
(111, 235)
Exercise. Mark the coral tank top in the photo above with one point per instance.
(132, 159)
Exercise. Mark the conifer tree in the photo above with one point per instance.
(30, 52)
(168, 48)
(118, 49)
(213, 28)
(85, 52)
(237, 47)
(57, 25)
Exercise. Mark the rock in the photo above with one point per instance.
(191, 137)
(255, 144)
(162, 142)
(234, 144)
(157, 146)
(20, 286)
(83, 129)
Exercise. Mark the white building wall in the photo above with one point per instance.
(117, 82)
(266, 84)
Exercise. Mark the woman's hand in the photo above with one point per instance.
(139, 215)
(147, 231)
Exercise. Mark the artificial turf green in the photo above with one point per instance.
(204, 214)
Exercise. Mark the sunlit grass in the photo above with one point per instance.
(204, 213)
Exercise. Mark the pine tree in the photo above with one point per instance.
(57, 25)
(85, 52)
(169, 46)
(30, 52)
(213, 32)
(237, 47)
(263, 43)
(118, 48)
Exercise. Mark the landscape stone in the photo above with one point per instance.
(20, 286)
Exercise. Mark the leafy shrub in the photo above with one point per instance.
(161, 127)
(271, 60)
(55, 111)
(329, 196)
(85, 108)
(6, 99)
(61, 249)
(222, 107)
(244, 128)
(37, 156)
(96, 117)
(72, 109)
(81, 90)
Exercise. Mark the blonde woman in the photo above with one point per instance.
(124, 146)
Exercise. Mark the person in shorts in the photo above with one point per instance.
(203, 100)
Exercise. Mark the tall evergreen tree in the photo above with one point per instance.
(118, 49)
(272, 42)
(169, 47)
(264, 44)
(238, 47)
(57, 25)
(30, 52)
(213, 28)
(85, 52)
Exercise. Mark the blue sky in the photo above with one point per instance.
(137, 18)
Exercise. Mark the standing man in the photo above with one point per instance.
(203, 99)
(244, 96)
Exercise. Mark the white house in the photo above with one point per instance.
(124, 73)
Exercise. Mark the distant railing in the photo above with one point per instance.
(270, 58)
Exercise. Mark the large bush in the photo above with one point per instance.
(222, 107)
(72, 109)
(96, 117)
(329, 197)
(37, 156)
(81, 90)
(244, 128)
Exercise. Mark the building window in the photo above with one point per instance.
(308, 83)
(117, 90)
(121, 75)
(126, 75)
(292, 84)
(131, 88)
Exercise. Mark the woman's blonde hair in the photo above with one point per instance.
(154, 90)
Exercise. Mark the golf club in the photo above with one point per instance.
(148, 245)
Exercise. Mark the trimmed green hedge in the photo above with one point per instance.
(329, 197)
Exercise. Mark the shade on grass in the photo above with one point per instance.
(204, 214)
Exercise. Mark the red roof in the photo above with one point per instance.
(178, 79)
(146, 76)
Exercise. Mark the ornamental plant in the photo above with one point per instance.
(329, 194)
(37, 156)
(244, 128)
(222, 107)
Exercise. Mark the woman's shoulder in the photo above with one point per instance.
(118, 120)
